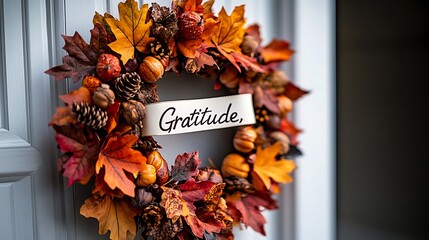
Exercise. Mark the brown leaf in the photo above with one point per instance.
(294, 92)
(77, 48)
(277, 50)
(112, 114)
(185, 166)
(99, 39)
(77, 96)
(265, 97)
(175, 206)
(71, 68)
(114, 215)
(62, 117)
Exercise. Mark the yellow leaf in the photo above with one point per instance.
(175, 206)
(112, 214)
(230, 32)
(268, 167)
(131, 30)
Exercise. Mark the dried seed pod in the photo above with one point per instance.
(235, 165)
(276, 81)
(274, 122)
(104, 96)
(155, 159)
(249, 45)
(229, 76)
(148, 93)
(91, 82)
(143, 197)
(147, 176)
(133, 112)
(283, 139)
(209, 174)
(285, 105)
(151, 69)
(244, 139)
(108, 67)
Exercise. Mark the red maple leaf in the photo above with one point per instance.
(185, 166)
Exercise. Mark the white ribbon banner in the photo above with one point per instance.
(185, 116)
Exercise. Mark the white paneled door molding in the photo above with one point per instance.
(315, 70)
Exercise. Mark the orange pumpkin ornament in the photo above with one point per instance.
(155, 159)
(147, 176)
(151, 69)
(92, 83)
(235, 165)
(244, 139)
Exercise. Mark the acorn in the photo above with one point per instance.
(244, 139)
(151, 69)
(283, 139)
(235, 165)
(91, 82)
(229, 76)
(249, 45)
(285, 105)
(160, 165)
(104, 96)
(133, 112)
(147, 176)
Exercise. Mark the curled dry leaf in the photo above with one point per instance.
(114, 215)
(185, 166)
(174, 204)
(276, 51)
(294, 92)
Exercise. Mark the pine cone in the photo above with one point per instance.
(168, 230)
(234, 184)
(164, 25)
(90, 115)
(127, 85)
(159, 50)
(148, 94)
(152, 215)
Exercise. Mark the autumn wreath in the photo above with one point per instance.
(99, 128)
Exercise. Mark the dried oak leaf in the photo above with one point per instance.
(185, 166)
(78, 166)
(117, 156)
(114, 215)
(62, 117)
(294, 92)
(131, 30)
(80, 61)
(99, 38)
(82, 94)
(174, 204)
(276, 51)
(290, 129)
(268, 167)
(164, 23)
(249, 207)
(229, 34)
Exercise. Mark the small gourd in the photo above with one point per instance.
(155, 159)
(91, 82)
(244, 139)
(235, 165)
(147, 176)
(151, 69)
(285, 105)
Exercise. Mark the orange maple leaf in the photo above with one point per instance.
(276, 51)
(268, 167)
(77, 96)
(117, 156)
(131, 30)
(112, 214)
(229, 34)
(62, 117)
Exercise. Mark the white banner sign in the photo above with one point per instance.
(185, 116)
